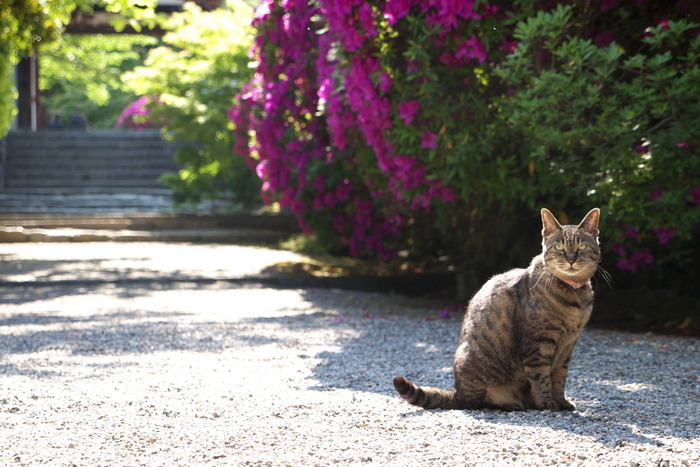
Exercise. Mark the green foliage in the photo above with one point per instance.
(84, 72)
(604, 127)
(92, 63)
(8, 94)
(196, 74)
(26, 24)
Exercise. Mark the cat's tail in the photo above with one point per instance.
(426, 397)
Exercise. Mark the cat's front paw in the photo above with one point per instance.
(548, 404)
(566, 405)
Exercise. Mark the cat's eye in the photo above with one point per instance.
(559, 247)
(582, 247)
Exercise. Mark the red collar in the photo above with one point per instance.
(575, 284)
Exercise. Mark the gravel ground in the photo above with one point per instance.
(50, 262)
(185, 375)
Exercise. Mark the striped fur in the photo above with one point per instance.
(520, 329)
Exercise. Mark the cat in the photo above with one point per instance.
(520, 329)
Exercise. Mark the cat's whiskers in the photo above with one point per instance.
(605, 275)
(549, 280)
(544, 271)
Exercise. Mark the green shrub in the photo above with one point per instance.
(455, 123)
(196, 75)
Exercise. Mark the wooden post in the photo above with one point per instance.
(29, 112)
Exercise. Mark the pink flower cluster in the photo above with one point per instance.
(139, 109)
(298, 121)
(293, 128)
(320, 122)
(637, 260)
(352, 25)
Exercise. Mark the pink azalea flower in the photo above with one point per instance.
(639, 259)
(384, 82)
(656, 193)
(408, 110)
(664, 234)
(490, 10)
(471, 48)
(447, 195)
(619, 249)
(396, 9)
(684, 146)
(261, 169)
(608, 4)
(631, 231)
(429, 140)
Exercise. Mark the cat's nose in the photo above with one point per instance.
(571, 259)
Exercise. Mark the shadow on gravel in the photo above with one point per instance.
(12, 269)
(68, 273)
(375, 344)
(20, 295)
(615, 406)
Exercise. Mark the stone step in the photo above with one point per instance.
(79, 137)
(241, 235)
(125, 200)
(252, 227)
(69, 191)
(116, 161)
(83, 181)
(283, 222)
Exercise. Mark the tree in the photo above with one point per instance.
(85, 72)
(24, 24)
(192, 81)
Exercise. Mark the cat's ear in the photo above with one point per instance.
(550, 224)
(590, 222)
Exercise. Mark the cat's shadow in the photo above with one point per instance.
(612, 433)
(617, 404)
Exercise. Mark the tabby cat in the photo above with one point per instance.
(520, 329)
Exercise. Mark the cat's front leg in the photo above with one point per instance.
(537, 365)
(541, 387)
(558, 377)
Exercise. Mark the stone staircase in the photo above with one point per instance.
(82, 172)
(77, 186)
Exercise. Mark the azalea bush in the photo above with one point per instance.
(440, 128)
(614, 118)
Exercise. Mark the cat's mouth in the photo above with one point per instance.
(571, 272)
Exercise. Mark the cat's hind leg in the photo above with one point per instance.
(506, 397)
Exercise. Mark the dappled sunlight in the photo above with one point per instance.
(250, 364)
(631, 387)
(88, 261)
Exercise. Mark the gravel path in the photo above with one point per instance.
(50, 262)
(225, 374)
